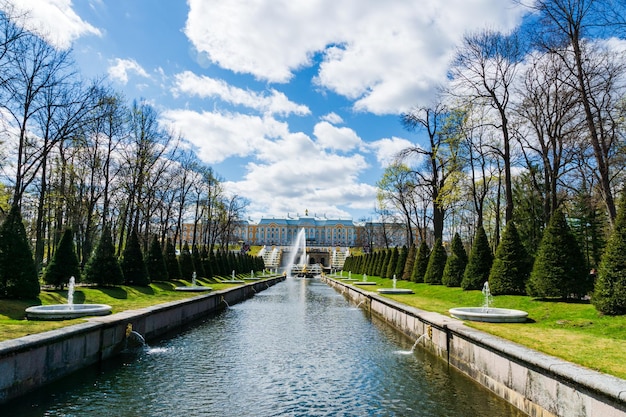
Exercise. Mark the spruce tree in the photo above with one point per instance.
(18, 274)
(385, 263)
(511, 265)
(410, 262)
(186, 263)
(103, 268)
(171, 261)
(133, 265)
(393, 260)
(479, 262)
(436, 264)
(455, 264)
(421, 262)
(559, 269)
(402, 254)
(197, 261)
(64, 263)
(609, 296)
(155, 262)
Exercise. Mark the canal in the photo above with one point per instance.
(297, 349)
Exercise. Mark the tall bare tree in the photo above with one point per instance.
(485, 69)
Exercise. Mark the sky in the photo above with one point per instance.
(295, 104)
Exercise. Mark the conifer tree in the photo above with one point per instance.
(410, 262)
(133, 265)
(197, 262)
(436, 264)
(103, 268)
(18, 274)
(421, 262)
(393, 260)
(64, 263)
(385, 264)
(186, 263)
(171, 261)
(559, 268)
(479, 262)
(511, 265)
(155, 262)
(402, 254)
(455, 264)
(206, 263)
(609, 296)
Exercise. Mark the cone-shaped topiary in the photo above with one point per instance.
(511, 265)
(559, 268)
(402, 254)
(479, 262)
(133, 265)
(436, 264)
(609, 296)
(155, 262)
(421, 262)
(171, 261)
(197, 262)
(186, 263)
(64, 263)
(409, 264)
(18, 274)
(456, 263)
(393, 260)
(103, 268)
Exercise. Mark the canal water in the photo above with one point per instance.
(296, 349)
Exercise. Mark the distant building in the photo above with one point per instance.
(318, 232)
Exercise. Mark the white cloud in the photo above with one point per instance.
(335, 138)
(120, 69)
(273, 103)
(386, 56)
(55, 20)
(285, 169)
(387, 149)
(333, 118)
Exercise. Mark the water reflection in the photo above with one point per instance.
(296, 349)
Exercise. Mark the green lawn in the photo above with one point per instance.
(575, 332)
(12, 317)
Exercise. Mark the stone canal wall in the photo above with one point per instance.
(536, 383)
(32, 361)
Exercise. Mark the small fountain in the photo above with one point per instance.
(194, 287)
(365, 281)
(395, 290)
(133, 339)
(349, 279)
(67, 311)
(408, 352)
(232, 280)
(252, 277)
(487, 313)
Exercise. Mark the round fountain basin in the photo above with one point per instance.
(66, 311)
(365, 283)
(491, 315)
(395, 291)
(194, 288)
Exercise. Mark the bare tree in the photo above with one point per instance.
(440, 157)
(485, 69)
(568, 26)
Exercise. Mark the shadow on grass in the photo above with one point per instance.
(164, 285)
(563, 300)
(118, 293)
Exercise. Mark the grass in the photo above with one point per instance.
(575, 332)
(12, 317)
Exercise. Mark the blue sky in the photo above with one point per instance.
(294, 103)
